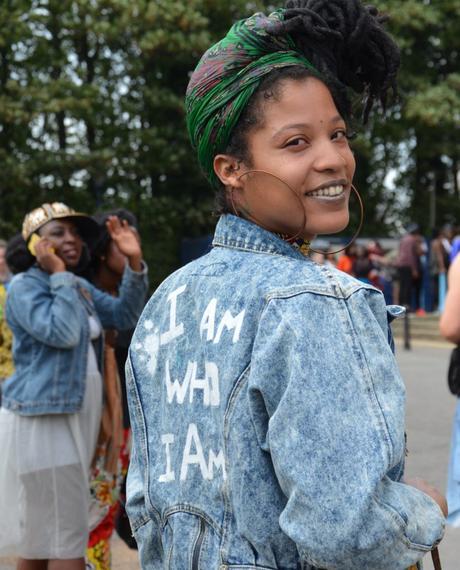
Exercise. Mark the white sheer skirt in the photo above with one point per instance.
(44, 477)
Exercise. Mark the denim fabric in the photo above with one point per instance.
(48, 315)
(268, 418)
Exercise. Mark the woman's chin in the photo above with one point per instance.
(329, 226)
(72, 262)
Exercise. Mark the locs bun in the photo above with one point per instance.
(346, 42)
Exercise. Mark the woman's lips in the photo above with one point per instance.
(331, 193)
(70, 253)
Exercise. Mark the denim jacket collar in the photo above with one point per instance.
(38, 272)
(238, 233)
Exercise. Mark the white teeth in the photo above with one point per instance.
(330, 191)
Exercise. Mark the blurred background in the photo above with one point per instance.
(92, 113)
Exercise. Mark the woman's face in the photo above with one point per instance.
(114, 259)
(303, 142)
(65, 239)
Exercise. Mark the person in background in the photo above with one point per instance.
(109, 279)
(362, 265)
(18, 258)
(449, 326)
(52, 404)
(6, 341)
(384, 272)
(5, 273)
(110, 465)
(448, 232)
(409, 267)
(346, 259)
(439, 264)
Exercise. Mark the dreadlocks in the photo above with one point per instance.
(345, 41)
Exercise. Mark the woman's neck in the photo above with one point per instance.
(107, 280)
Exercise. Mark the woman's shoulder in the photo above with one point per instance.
(33, 276)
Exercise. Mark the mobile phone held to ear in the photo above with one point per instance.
(34, 239)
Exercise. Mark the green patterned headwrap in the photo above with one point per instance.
(227, 76)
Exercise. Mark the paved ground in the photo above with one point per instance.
(429, 417)
(123, 557)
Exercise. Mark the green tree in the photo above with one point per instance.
(92, 113)
(425, 130)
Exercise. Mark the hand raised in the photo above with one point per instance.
(126, 239)
(46, 257)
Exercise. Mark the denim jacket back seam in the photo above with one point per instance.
(380, 416)
(141, 439)
(228, 513)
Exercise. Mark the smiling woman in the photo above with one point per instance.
(277, 442)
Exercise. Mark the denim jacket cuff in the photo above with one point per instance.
(142, 272)
(431, 533)
(62, 279)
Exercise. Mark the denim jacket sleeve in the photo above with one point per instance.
(49, 314)
(122, 312)
(329, 436)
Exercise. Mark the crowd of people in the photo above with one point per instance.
(412, 272)
(265, 402)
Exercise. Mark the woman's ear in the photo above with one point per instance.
(228, 170)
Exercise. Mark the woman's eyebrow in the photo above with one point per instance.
(333, 121)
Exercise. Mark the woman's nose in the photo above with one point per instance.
(330, 158)
(70, 236)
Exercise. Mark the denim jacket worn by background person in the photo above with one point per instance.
(48, 315)
(268, 419)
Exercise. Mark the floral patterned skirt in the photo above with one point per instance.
(105, 488)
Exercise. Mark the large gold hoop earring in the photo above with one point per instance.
(258, 222)
(293, 238)
(355, 235)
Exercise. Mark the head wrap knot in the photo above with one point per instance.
(227, 76)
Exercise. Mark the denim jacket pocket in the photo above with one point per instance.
(189, 540)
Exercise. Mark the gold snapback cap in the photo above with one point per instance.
(40, 216)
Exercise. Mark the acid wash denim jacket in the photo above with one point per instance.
(48, 315)
(268, 419)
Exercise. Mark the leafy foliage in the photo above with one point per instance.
(92, 113)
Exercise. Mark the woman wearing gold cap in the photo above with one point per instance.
(51, 406)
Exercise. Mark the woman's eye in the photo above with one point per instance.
(341, 134)
(296, 142)
(344, 134)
